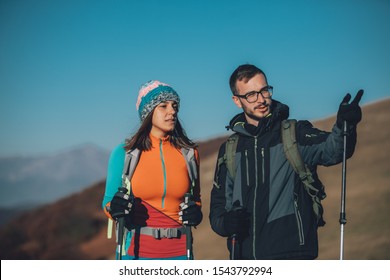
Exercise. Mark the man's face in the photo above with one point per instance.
(257, 110)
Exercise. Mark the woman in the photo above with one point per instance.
(156, 162)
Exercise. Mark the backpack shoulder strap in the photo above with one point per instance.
(290, 147)
(230, 152)
(189, 156)
(131, 160)
(228, 158)
(291, 151)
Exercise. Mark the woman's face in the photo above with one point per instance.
(164, 118)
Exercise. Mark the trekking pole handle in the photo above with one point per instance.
(234, 236)
(121, 225)
(187, 198)
(233, 252)
(122, 190)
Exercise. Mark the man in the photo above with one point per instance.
(264, 210)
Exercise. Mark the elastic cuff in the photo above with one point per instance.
(106, 211)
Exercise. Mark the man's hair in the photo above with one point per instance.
(244, 72)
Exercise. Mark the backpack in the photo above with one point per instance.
(310, 180)
(131, 161)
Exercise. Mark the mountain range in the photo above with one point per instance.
(75, 227)
(30, 181)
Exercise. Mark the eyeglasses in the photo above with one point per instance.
(266, 92)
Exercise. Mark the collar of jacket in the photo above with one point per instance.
(156, 140)
(279, 112)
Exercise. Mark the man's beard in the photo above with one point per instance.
(250, 114)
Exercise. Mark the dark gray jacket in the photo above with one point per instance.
(283, 224)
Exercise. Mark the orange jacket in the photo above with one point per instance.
(159, 183)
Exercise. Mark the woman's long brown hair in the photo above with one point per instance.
(140, 140)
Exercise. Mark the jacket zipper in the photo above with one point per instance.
(164, 174)
(247, 167)
(262, 166)
(255, 195)
(299, 223)
(254, 203)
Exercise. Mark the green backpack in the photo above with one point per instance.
(310, 181)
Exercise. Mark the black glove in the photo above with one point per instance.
(190, 213)
(236, 222)
(121, 204)
(350, 112)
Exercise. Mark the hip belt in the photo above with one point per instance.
(159, 233)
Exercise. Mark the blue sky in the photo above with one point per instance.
(70, 70)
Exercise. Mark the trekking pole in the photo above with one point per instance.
(121, 226)
(234, 242)
(234, 237)
(187, 198)
(343, 219)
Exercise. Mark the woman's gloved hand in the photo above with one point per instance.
(121, 204)
(190, 213)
